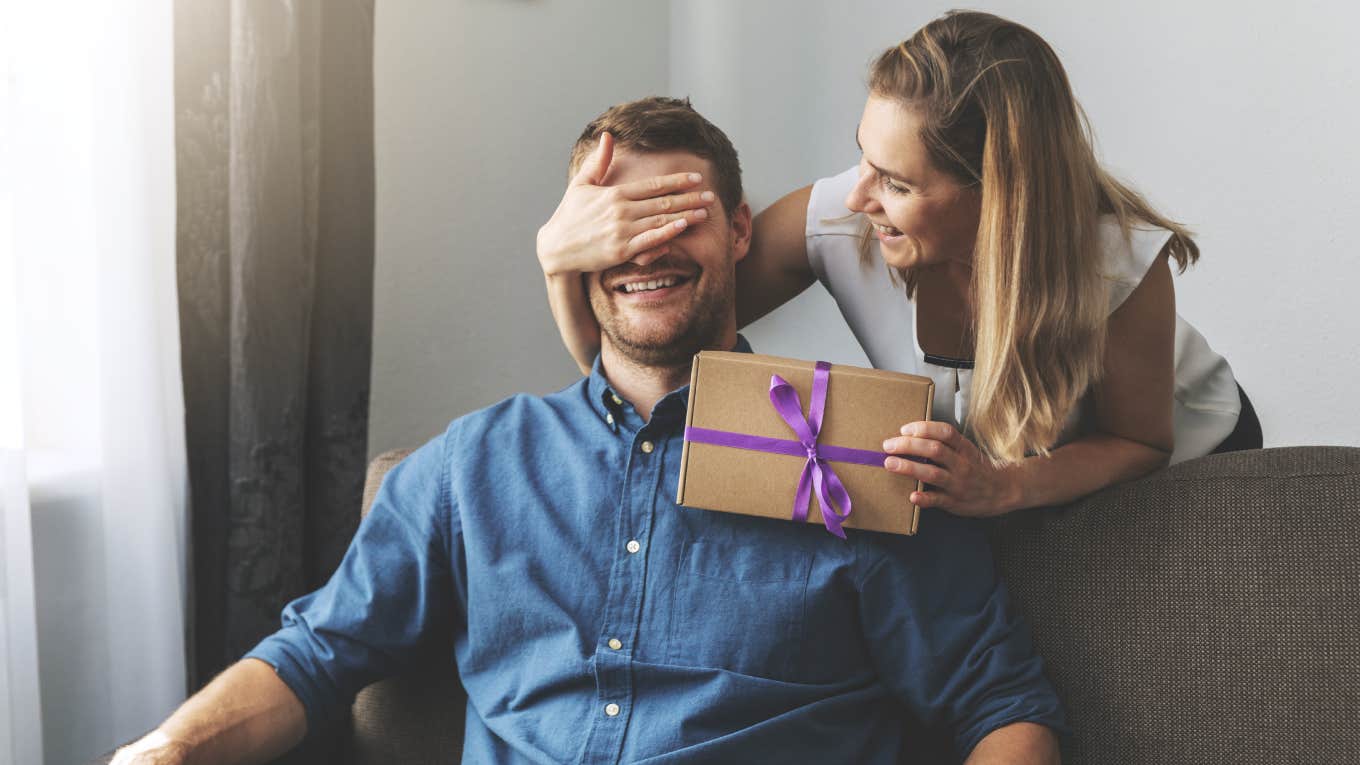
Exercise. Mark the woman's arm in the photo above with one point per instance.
(1133, 404)
(776, 269)
(1134, 433)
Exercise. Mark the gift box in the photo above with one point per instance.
(785, 438)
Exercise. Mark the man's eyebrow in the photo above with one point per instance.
(879, 170)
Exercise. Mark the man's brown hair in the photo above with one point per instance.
(660, 124)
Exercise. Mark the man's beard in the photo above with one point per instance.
(673, 344)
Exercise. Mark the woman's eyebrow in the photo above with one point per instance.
(879, 170)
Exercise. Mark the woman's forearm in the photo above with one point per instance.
(571, 310)
(1081, 467)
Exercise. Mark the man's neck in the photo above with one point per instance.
(643, 385)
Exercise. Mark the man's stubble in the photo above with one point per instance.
(675, 344)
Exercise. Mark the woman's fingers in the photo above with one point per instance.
(930, 474)
(657, 221)
(929, 499)
(942, 432)
(655, 237)
(647, 257)
(671, 203)
(658, 185)
(935, 451)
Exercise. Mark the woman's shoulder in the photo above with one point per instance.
(1126, 255)
(827, 214)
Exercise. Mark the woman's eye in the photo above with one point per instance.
(893, 187)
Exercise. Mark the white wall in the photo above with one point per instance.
(1230, 118)
(478, 103)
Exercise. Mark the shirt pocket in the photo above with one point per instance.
(739, 607)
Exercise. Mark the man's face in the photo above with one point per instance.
(663, 313)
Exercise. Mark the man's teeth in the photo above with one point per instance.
(887, 230)
(655, 284)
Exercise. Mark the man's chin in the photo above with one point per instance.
(657, 350)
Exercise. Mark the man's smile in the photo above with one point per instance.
(648, 288)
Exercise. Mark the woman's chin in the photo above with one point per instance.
(904, 257)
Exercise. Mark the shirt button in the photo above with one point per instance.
(633, 546)
(611, 709)
(609, 418)
(617, 401)
(647, 447)
(615, 643)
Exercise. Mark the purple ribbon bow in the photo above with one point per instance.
(817, 473)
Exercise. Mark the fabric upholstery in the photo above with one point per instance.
(414, 719)
(1207, 613)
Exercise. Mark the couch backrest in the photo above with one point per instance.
(1207, 613)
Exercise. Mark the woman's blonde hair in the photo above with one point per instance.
(997, 110)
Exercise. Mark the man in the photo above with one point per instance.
(592, 619)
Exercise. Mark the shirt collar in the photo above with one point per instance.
(612, 407)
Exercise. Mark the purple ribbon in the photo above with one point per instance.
(817, 474)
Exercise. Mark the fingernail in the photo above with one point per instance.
(707, 196)
(695, 177)
(892, 463)
(887, 445)
(701, 213)
(908, 430)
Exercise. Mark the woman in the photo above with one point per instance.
(980, 243)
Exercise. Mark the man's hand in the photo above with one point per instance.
(155, 748)
(598, 227)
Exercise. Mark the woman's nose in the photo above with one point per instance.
(860, 199)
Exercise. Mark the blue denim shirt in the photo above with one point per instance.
(594, 620)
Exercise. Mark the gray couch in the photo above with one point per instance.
(1208, 613)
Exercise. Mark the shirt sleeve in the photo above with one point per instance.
(389, 600)
(832, 230)
(946, 638)
(1125, 262)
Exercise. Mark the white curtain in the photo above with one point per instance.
(91, 404)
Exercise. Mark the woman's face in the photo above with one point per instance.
(921, 216)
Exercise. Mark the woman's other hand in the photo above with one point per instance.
(961, 480)
(598, 227)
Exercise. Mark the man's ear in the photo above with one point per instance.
(741, 231)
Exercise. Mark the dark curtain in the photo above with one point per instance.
(274, 144)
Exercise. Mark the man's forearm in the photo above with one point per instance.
(1079, 468)
(246, 715)
(1017, 744)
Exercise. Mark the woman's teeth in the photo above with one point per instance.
(887, 230)
(655, 284)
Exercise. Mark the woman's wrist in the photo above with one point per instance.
(547, 258)
(1013, 494)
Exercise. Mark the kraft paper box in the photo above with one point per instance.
(730, 393)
